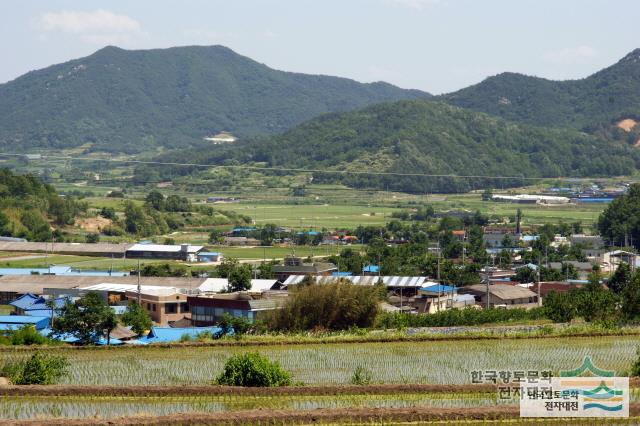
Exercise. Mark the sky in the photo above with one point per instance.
(434, 45)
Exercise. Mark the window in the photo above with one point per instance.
(171, 308)
(184, 307)
(153, 307)
(148, 306)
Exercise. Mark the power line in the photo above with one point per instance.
(275, 169)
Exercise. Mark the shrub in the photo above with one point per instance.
(253, 370)
(237, 326)
(92, 238)
(458, 317)
(336, 306)
(361, 376)
(40, 369)
(27, 335)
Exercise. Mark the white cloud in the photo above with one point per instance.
(99, 26)
(413, 4)
(571, 55)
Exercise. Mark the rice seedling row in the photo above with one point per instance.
(437, 362)
(109, 407)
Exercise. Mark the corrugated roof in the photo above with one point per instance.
(63, 247)
(25, 301)
(503, 291)
(389, 281)
(172, 248)
(216, 285)
(21, 319)
(438, 288)
(168, 334)
(13, 322)
(37, 283)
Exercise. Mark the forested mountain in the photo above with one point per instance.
(131, 101)
(589, 104)
(428, 137)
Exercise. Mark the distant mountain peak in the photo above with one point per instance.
(633, 56)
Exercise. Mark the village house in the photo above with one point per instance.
(295, 266)
(208, 310)
(502, 295)
(183, 252)
(164, 304)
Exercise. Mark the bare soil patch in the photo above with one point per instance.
(93, 224)
(627, 124)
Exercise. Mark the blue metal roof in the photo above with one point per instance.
(169, 334)
(208, 253)
(13, 322)
(41, 304)
(438, 288)
(371, 269)
(67, 338)
(38, 313)
(103, 341)
(24, 301)
(243, 229)
(341, 274)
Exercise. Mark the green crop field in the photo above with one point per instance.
(107, 407)
(587, 213)
(279, 252)
(318, 216)
(439, 362)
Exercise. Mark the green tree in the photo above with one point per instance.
(620, 221)
(227, 265)
(240, 278)
(137, 318)
(620, 279)
(559, 307)
(88, 319)
(631, 297)
(155, 200)
(595, 304)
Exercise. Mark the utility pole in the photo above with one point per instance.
(439, 288)
(486, 268)
(538, 276)
(139, 287)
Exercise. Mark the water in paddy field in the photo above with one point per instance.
(438, 362)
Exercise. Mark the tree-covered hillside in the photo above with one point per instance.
(28, 207)
(132, 101)
(432, 138)
(587, 104)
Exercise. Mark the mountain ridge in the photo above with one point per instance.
(134, 100)
(592, 103)
(431, 138)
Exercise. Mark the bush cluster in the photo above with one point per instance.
(253, 370)
(39, 369)
(457, 317)
(336, 306)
